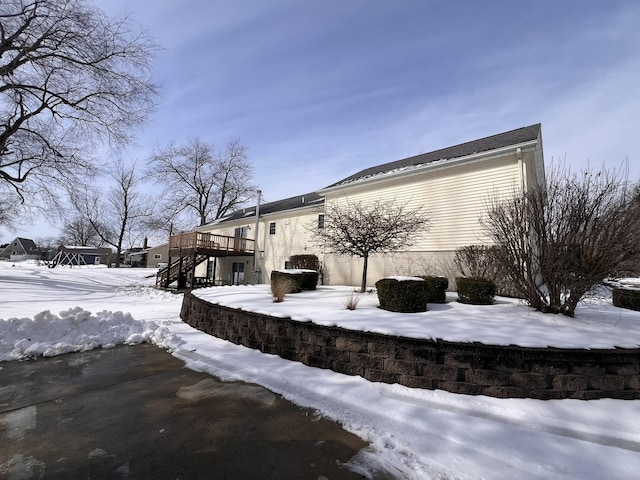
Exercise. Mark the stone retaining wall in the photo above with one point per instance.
(469, 368)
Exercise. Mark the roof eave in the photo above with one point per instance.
(252, 217)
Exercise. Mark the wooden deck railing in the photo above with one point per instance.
(200, 242)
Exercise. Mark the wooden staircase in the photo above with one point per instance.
(178, 271)
(191, 249)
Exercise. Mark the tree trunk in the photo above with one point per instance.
(363, 285)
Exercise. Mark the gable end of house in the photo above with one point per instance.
(519, 136)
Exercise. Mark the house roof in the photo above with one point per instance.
(27, 244)
(292, 203)
(82, 249)
(493, 142)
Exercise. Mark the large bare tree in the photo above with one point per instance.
(119, 215)
(70, 78)
(557, 241)
(79, 231)
(201, 185)
(360, 229)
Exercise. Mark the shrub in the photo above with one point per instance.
(305, 262)
(436, 289)
(300, 279)
(559, 239)
(280, 276)
(475, 290)
(280, 286)
(402, 294)
(308, 279)
(626, 298)
(481, 261)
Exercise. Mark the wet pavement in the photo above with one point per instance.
(135, 412)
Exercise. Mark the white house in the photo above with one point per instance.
(452, 184)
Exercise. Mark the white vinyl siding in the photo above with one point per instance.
(293, 237)
(454, 199)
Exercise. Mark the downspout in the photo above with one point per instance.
(523, 172)
(256, 271)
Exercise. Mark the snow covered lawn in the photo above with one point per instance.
(415, 434)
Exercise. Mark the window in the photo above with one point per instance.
(321, 220)
(157, 256)
(287, 264)
(237, 273)
(272, 228)
(240, 232)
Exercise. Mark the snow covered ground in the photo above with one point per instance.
(413, 433)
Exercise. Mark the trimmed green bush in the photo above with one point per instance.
(300, 279)
(475, 290)
(406, 295)
(626, 298)
(436, 289)
(309, 279)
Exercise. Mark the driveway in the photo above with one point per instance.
(135, 412)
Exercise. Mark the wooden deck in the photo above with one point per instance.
(199, 243)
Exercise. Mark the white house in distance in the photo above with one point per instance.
(453, 185)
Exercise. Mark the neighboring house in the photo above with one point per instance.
(20, 248)
(147, 256)
(158, 256)
(452, 184)
(80, 255)
(134, 257)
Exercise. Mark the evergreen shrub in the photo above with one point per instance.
(407, 295)
(626, 298)
(475, 290)
(308, 279)
(436, 289)
(300, 279)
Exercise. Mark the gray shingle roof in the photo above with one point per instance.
(28, 244)
(291, 203)
(512, 137)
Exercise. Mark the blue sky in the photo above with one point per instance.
(319, 90)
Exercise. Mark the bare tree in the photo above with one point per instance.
(121, 213)
(361, 229)
(200, 185)
(556, 242)
(79, 231)
(9, 207)
(70, 77)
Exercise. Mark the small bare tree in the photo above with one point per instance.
(69, 77)
(121, 213)
(199, 185)
(361, 229)
(556, 242)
